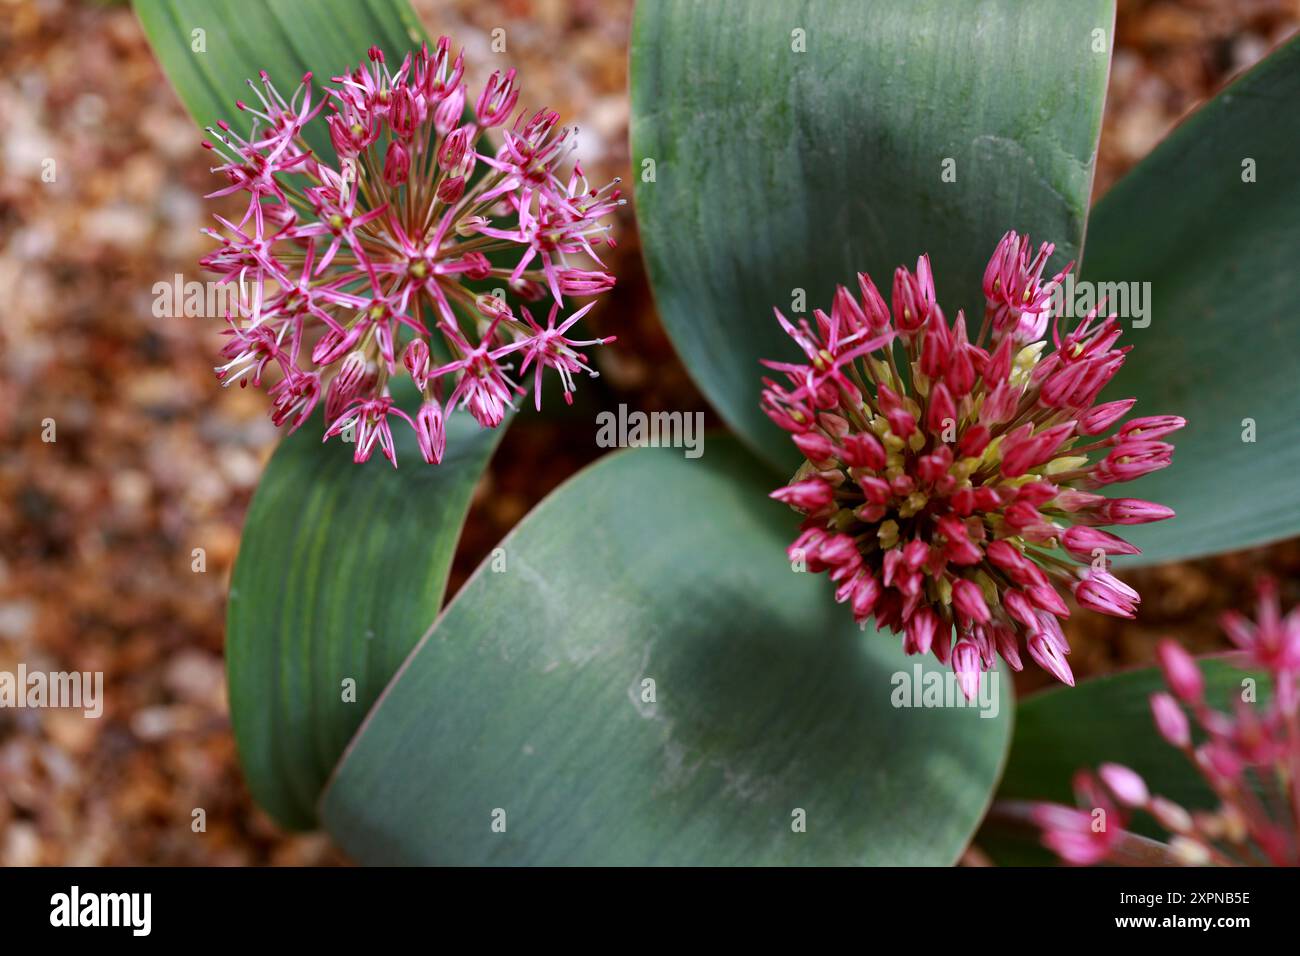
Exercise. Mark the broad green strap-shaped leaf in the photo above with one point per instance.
(1211, 220)
(781, 147)
(341, 568)
(1103, 720)
(641, 678)
(287, 38)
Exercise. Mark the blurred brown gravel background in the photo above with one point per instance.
(153, 458)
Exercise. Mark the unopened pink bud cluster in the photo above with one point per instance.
(1250, 759)
(950, 482)
(352, 272)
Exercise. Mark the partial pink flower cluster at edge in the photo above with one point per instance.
(1250, 759)
(951, 481)
(340, 264)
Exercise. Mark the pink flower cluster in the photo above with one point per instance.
(343, 268)
(1250, 759)
(950, 482)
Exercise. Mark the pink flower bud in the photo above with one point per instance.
(477, 266)
(815, 446)
(1127, 786)
(583, 283)
(1072, 500)
(1005, 556)
(999, 364)
(1170, 815)
(967, 599)
(839, 550)
(1045, 597)
(938, 346)
(1083, 542)
(921, 628)
(1036, 493)
(932, 468)
(450, 190)
(957, 545)
(942, 413)
(912, 301)
(863, 450)
(901, 423)
(966, 665)
(1155, 426)
(810, 495)
(1170, 720)
(1131, 511)
(866, 593)
(405, 114)
(835, 425)
(974, 441)
(450, 111)
(1030, 452)
(873, 303)
(847, 313)
(876, 490)
(430, 432)
(493, 306)
(1020, 608)
(1000, 404)
(1181, 673)
(1133, 459)
(416, 359)
(451, 154)
(1004, 640)
(1098, 419)
(1048, 656)
(397, 165)
(1101, 591)
(1221, 761)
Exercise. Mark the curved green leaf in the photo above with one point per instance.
(1103, 720)
(777, 170)
(340, 570)
(287, 38)
(1223, 344)
(530, 697)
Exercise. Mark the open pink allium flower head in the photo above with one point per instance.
(350, 272)
(1250, 759)
(951, 482)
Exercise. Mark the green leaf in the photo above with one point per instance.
(777, 170)
(341, 569)
(529, 697)
(1223, 343)
(287, 38)
(1103, 720)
